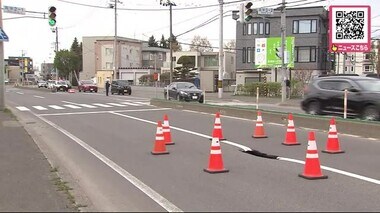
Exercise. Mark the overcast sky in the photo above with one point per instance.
(34, 38)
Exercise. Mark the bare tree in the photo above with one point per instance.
(230, 45)
(200, 44)
(302, 77)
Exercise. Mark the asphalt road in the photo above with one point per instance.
(105, 154)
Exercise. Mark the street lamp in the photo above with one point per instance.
(170, 4)
(115, 69)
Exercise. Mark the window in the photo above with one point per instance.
(305, 54)
(248, 55)
(145, 56)
(244, 28)
(243, 55)
(367, 56)
(267, 28)
(109, 65)
(249, 29)
(255, 28)
(367, 68)
(305, 26)
(261, 28)
(109, 51)
(334, 85)
(253, 55)
(211, 61)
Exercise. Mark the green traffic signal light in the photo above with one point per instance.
(52, 16)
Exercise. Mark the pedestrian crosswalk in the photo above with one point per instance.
(82, 106)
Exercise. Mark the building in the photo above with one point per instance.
(47, 71)
(134, 59)
(18, 67)
(207, 65)
(308, 26)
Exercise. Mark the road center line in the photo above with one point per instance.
(360, 177)
(163, 202)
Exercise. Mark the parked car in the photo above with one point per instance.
(121, 87)
(373, 75)
(183, 91)
(325, 95)
(41, 83)
(6, 81)
(87, 86)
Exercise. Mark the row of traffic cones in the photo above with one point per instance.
(163, 137)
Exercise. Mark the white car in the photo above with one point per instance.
(41, 84)
(51, 84)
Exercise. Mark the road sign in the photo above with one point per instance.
(3, 35)
(350, 28)
(265, 11)
(16, 10)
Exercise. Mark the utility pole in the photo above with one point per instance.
(283, 36)
(171, 38)
(56, 52)
(2, 87)
(220, 73)
(115, 66)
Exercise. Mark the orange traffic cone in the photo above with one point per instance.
(291, 137)
(218, 132)
(312, 168)
(159, 146)
(332, 144)
(215, 161)
(166, 131)
(259, 130)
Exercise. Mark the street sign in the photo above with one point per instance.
(350, 28)
(265, 11)
(3, 35)
(16, 10)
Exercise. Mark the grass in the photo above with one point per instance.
(65, 188)
(8, 111)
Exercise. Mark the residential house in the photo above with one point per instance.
(309, 27)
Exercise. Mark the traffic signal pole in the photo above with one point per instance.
(220, 73)
(283, 36)
(2, 87)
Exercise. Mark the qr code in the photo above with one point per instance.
(349, 25)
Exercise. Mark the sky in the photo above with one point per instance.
(31, 35)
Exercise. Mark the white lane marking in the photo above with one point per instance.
(160, 200)
(72, 106)
(100, 112)
(102, 105)
(129, 103)
(56, 107)
(184, 130)
(87, 106)
(371, 180)
(38, 96)
(20, 93)
(21, 108)
(39, 107)
(248, 149)
(116, 104)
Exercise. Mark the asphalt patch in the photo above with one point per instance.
(260, 154)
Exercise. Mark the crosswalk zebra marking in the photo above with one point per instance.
(72, 106)
(143, 103)
(115, 104)
(87, 106)
(55, 107)
(39, 107)
(102, 105)
(21, 108)
(129, 103)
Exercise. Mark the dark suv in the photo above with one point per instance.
(121, 87)
(325, 95)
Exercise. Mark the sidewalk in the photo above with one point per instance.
(27, 181)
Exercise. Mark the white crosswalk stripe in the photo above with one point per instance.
(143, 103)
(39, 107)
(115, 104)
(21, 108)
(129, 103)
(87, 106)
(102, 105)
(55, 107)
(72, 106)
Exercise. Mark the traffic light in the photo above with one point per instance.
(248, 12)
(52, 16)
